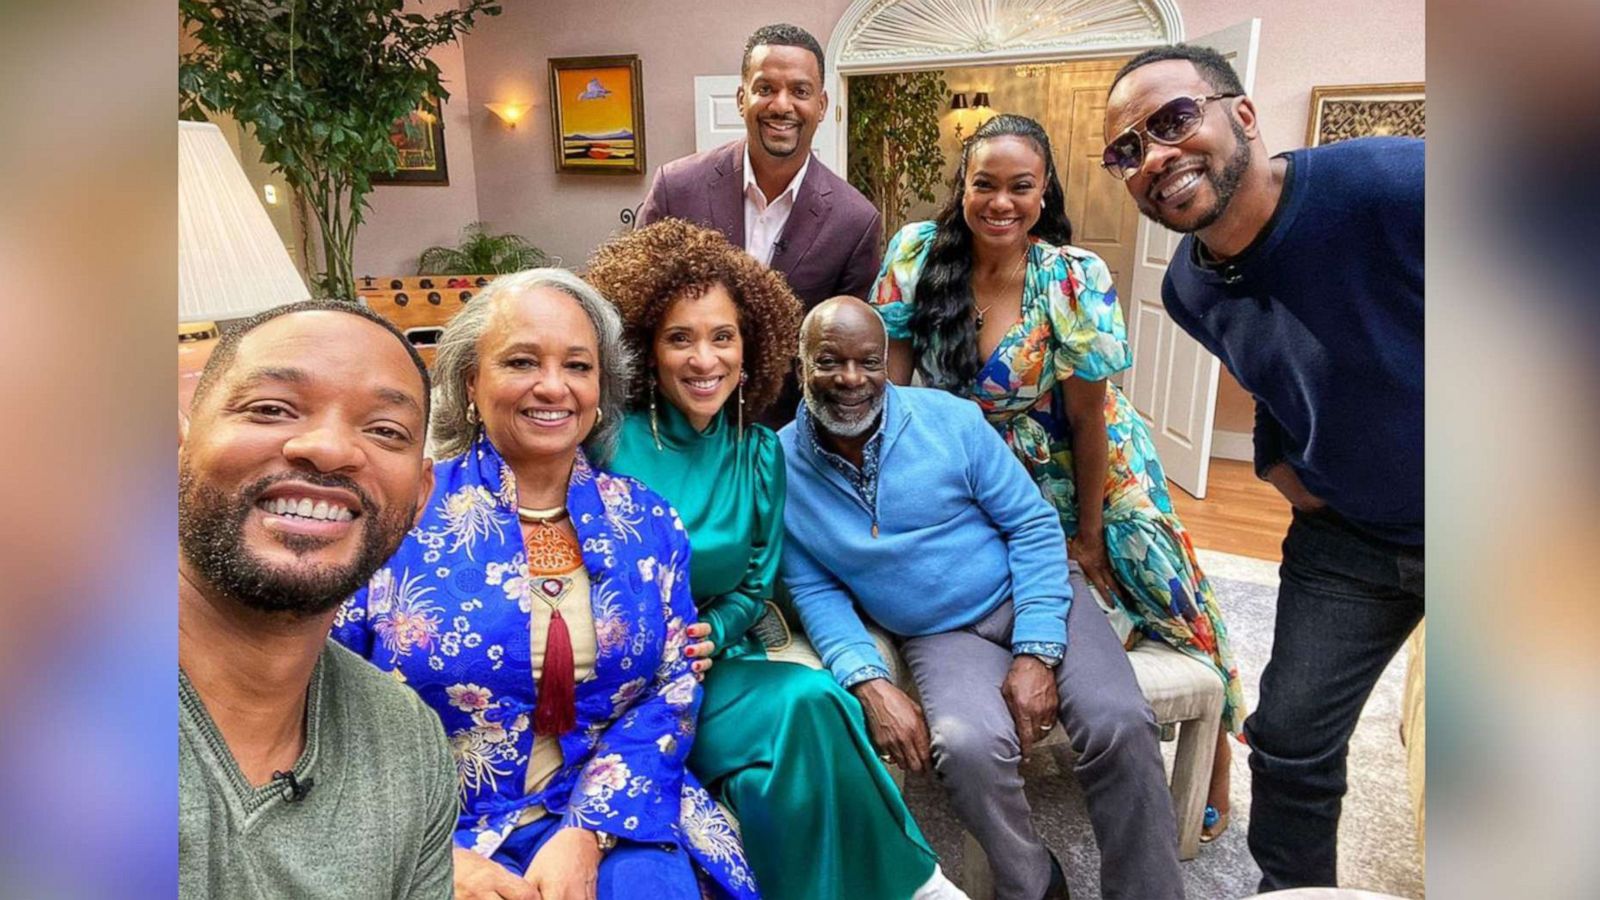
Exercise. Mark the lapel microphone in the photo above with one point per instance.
(295, 788)
(779, 245)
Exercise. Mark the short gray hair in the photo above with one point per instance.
(458, 357)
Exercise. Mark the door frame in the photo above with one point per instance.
(1162, 24)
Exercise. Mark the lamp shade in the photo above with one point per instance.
(231, 261)
(981, 99)
(958, 101)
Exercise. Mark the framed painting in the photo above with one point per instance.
(597, 114)
(419, 139)
(1344, 111)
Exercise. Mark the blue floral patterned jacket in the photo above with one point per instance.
(449, 616)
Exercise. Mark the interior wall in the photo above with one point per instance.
(405, 219)
(1305, 43)
(566, 214)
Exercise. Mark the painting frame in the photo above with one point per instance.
(1393, 106)
(438, 173)
(579, 152)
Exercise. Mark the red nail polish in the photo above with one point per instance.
(689, 651)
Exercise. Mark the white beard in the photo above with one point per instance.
(839, 427)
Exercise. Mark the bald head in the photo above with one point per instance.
(844, 355)
(842, 315)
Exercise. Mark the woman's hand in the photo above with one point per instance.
(1088, 549)
(701, 652)
(567, 867)
(478, 878)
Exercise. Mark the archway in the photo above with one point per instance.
(898, 35)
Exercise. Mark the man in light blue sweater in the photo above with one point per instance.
(905, 506)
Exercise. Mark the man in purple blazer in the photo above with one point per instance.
(767, 194)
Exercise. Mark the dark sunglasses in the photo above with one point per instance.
(1173, 123)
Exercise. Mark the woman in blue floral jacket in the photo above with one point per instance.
(570, 720)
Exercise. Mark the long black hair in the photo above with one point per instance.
(944, 339)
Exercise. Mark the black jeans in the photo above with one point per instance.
(1346, 603)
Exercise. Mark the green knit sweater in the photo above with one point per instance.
(376, 823)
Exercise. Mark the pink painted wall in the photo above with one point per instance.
(404, 218)
(1303, 43)
(1306, 43)
(1317, 42)
(569, 215)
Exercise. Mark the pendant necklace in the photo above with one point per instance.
(984, 309)
(553, 558)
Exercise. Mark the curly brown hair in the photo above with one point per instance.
(645, 271)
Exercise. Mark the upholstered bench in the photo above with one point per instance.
(1184, 694)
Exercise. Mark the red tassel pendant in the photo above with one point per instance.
(557, 710)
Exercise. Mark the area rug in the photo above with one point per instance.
(1377, 841)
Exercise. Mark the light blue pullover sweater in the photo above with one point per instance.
(961, 527)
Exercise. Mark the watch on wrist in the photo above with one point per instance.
(605, 840)
(1049, 663)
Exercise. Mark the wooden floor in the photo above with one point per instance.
(1241, 513)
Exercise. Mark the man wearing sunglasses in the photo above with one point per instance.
(1303, 273)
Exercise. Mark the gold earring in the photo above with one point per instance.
(472, 413)
(655, 430)
(598, 415)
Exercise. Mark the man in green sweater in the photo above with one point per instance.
(302, 770)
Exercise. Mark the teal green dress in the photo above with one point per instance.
(782, 745)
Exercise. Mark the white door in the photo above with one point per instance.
(1173, 382)
(717, 120)
(716, 113)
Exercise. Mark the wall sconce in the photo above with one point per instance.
(958, 102)
(509, 113)
(980, 105)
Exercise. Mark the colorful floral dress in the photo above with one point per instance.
(1071, 326)
(449, 615)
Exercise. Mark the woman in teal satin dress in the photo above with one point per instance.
(780, 744)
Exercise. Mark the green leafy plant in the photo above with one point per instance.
(320, 83)
(481, 253)
(894, 140)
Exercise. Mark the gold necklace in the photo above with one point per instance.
(980, 311)
(553, 514)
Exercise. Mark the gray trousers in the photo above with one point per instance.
(1110, 727)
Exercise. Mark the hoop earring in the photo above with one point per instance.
(655, 430)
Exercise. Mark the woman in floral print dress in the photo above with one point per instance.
(541, 606)
(991, 302)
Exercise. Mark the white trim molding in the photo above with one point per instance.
(1238, 445)
(902, 35)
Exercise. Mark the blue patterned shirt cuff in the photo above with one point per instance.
(865, 673)
(1047, 649)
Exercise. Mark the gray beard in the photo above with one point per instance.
(840, 427)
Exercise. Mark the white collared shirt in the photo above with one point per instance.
(763, 221)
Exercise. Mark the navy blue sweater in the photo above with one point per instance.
(1320, 318)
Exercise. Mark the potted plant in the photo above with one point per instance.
(894, 140)
(481, 253)
(321, 83)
